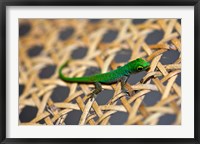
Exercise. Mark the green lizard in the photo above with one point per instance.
(121, 74)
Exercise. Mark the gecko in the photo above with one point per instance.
(121, 74)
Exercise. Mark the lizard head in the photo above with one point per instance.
(139, 65)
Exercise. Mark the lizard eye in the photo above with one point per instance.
(139, 68)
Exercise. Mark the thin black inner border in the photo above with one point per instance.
(5, 3)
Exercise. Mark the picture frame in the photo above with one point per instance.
(6, 3)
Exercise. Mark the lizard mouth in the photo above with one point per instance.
(147, 68)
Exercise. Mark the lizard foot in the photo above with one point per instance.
(91, 96)
(125, 91)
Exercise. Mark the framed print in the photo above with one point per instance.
(100, 72)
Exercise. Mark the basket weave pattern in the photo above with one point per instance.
(86, 34)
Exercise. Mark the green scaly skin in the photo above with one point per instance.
(121, 74)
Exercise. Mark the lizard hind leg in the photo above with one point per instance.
(98, 89)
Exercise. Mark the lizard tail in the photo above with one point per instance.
(60, 70)
(73, 79)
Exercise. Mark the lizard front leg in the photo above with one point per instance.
(123, 81)
(98, 89)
